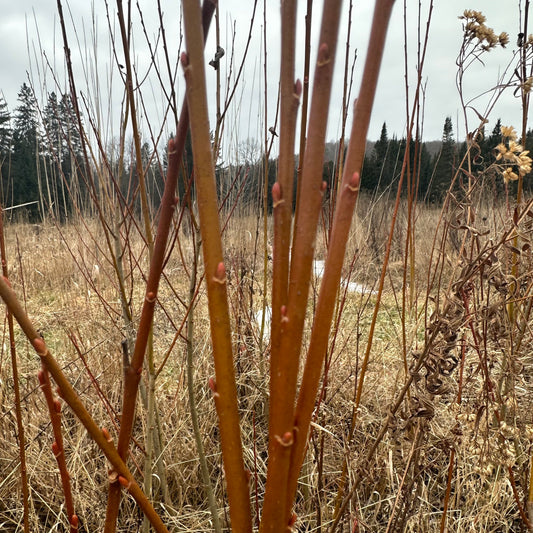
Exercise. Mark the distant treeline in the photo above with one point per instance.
(47, 168)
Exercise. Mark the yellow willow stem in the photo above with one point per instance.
(224, 388)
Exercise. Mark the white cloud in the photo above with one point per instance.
(42, 25)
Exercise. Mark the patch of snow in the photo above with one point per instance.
(258, 316)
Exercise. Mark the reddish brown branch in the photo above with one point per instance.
(54, 409)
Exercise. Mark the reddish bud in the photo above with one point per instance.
(292, 520)
(74, 522)
(298, 88)
(213, 386)
(124, 482)
(42, 377)
(323, 55)
(276, 195)
(106, 435)
(40, 346)
(286, 440)
(171, 146)
(112, 476)
(57, 406)
(220, 274)
(353, 184)
(56, 449)
(184, 58)
(150, 297)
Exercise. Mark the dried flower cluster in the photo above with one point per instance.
(475, 29)
(526, 86)
(514, 159)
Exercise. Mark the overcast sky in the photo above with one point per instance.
(31, 47)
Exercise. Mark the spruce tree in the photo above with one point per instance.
(6, 132)
(22, 185)
(52, 155)
(377, 170)
(444, 163)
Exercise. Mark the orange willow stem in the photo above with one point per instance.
(339, 237)
(282, 192)
(285, 371)
(224, 389)
(282, 195)
(133, 371)
(303, 121)
(100, 436)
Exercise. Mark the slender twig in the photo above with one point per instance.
(54, 409)
(16, 390)
(190, 389)
(346, 91)
(303, 121)
(133, 372)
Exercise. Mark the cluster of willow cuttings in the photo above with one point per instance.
(456, 384)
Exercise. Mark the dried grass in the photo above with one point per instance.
(63, 302)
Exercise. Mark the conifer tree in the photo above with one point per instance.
(444, 163)
(22, 186)
(5, 129)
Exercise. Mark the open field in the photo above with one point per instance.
(483, 419)
(205, 332)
